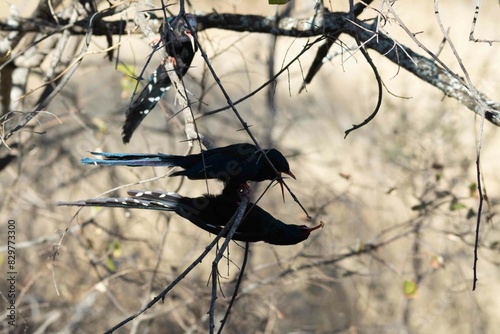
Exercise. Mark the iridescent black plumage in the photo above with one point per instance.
(211, 213)
(235, 164)
(181, 48)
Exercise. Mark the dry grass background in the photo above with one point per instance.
(113, 261)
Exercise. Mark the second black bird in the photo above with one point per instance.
(211, 213)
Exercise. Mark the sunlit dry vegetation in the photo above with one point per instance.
(399, 196)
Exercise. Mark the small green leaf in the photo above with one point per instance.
(127, 82)
(110, 264)
(473, 190)
(117, 250)
(455, 205)
(125, 69)
(410, 289)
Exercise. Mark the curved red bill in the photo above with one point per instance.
(191, 38)
(321, 225)
(308, 230)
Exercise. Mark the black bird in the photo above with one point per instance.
(234, 164)
(211, 213)
(181, 48)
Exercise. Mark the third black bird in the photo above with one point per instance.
(181, 48)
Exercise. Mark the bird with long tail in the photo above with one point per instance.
(234, 164)
(181, 48)
(211, 213)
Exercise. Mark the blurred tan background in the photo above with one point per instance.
(405, 180)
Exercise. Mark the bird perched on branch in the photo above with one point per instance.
(181, 48)
(211, 213)
(234, 164)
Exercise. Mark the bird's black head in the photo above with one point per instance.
(192, 22)
(281, 165)
(183, 31)
(279, 161)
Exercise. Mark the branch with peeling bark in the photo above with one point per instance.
(333, 24)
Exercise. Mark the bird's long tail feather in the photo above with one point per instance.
(158, 84)
(152, 200)
(131, 160)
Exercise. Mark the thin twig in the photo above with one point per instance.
(236, 287)
(473, 27)
(470, 87)
(265, 84)
(377, 77)
(245, 125)
(234, 226)
(228, 227)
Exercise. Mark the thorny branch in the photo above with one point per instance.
(236, 288)
(228, 229)
(332, 23)
(215, 264)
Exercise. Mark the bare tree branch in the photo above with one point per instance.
(332, 24)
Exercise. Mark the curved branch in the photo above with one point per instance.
(329, 23)
(334, 23)
(427, 70)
